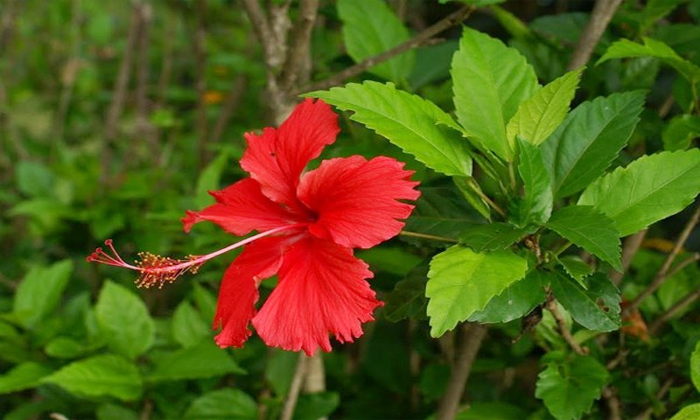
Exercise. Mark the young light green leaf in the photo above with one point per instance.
(588, 140)
(680, 132)
(23, 376)
(461, 282)
(569, 387)
(490, 81)
(209, 179)
(689, 412)
(40, 291)
(625, 48)
(204, 360)
(223, 404)
(540, 115)
(412, 123)
(591, 230)
(695, 366)
(649, 189)
(124, 321)
(105, 375)
(491, 236)
(536, 205)
(597, 308)
(516, 301)
(371, 28)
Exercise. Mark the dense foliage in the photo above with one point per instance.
(550, 263)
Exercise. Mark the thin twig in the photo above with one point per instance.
(200, 39)
(663, 272)
(603, 12)
(563, 329)
(143, 126)
(419, 39)
(472, 336)
(659, 394)
(677, 307)
(116, 107)
(630, 247)
(261, 26)
(293, 395)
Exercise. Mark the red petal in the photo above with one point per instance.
(241, 208)
(322, 289)
(239, 289)
(357, 200)
(277, 157)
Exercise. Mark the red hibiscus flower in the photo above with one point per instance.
(309, 224)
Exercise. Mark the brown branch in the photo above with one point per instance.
(261, 27)
(315, 380)
(295, 69)
(663, 272)
(290, 402)
(613, 403)
(603, 12)
(563, 329)
(659, 394)
(419, 39)
(631, 246)
(472, 336)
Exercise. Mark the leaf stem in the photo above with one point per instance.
(428, 236)
(472, 184)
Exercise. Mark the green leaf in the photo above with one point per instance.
(412, 123)
(569, 387)
(187, 326)
(371, 28)
(536, 205)
(576, 268)
(649, 189)
(205, 301)
(124, 321)
(407, 300)
(105, 375)
(66, 348)
(34, 179)
(472, 192)
(588, 140)
(589, 229)
(394, 260)
(23, 376)
(597, 308)
(223, 404)
(689, 412)
(695, 366)
(491, 236)
(680, 132)
(493, 411)
(516, 301)
(317, 405)
(490, 81)
(461, 282)
(279, 370)
(204, 360)
(440, 211)
(625, 48)
(209, 179)
(540, 115)
(40, 291)
(115, 412)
